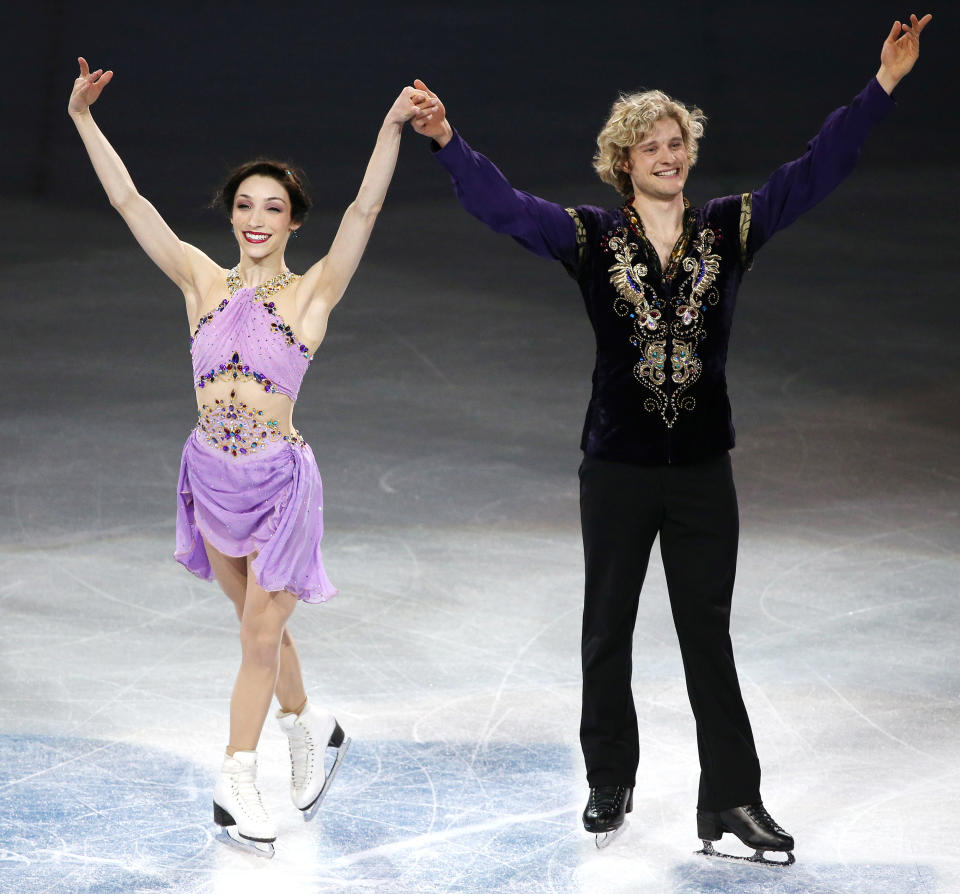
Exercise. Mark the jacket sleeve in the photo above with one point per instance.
(800, 184)
(543, 227)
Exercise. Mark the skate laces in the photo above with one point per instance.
(247, 795)
(758, 813)
(609, 800)
(301, 754)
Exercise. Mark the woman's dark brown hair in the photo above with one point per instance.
(291, 178)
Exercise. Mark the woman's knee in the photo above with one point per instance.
(260, 643)
(263, 625)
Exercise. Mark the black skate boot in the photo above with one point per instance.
(606, 811)
(752, 825)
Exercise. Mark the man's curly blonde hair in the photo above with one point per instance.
(631, 118)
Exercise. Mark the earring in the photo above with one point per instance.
(293, 233)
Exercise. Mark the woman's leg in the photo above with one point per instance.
(290, 692)
(265, 616)
(231, 574)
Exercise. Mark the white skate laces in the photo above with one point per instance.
(309, 735)
(238, 808)
(246, 795)
(301, 764)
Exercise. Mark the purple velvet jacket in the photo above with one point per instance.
(659, 384)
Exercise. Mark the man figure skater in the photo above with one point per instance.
(659, 279)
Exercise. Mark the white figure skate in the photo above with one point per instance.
(238, 809)
(310, 734)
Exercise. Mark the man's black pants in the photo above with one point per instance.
(694, 509)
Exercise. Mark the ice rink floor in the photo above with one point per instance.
(444, 410)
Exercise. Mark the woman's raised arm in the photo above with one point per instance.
(181, 262)
(326, 281)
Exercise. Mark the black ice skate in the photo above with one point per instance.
(606, 811)
(753, 826)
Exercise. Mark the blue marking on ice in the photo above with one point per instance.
(718, 877)
(79, 815)
(82, 815)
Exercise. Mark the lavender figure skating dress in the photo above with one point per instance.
(246, 486)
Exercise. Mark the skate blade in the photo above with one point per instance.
(310, 812)
(229, 835)
(605, 839)
(759, 857)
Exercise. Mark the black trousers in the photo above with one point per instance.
(694, 510)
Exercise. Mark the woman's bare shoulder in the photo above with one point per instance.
(209, 282)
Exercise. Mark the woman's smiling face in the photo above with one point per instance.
(261, 216)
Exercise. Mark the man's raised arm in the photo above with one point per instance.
(543, 227)
(831, 155)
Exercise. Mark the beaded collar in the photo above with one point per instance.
(280, 281)
(679, 250)
(261, 293)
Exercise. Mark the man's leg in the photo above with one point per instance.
(698, 542)
(620, 512)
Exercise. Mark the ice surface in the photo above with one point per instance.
(444, 411)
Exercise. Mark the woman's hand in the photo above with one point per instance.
(900, 51)
(411, 103)
(87, 88)
(434, 125)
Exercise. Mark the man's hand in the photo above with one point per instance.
(436, 125)
(900, 51)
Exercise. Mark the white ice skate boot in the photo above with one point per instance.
(238, 808)
(310, 733)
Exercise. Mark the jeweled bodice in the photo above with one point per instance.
(245, 338)
(232, 427)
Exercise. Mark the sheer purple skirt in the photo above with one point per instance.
(269, 502)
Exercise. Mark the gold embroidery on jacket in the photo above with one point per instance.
(632, 290)
(581, 233)
(746, 215)
(655, 337)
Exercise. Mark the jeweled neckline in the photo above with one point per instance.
(261, 293)
(680, 247)
(279, 282)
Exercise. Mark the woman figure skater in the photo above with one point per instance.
(250, 502)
